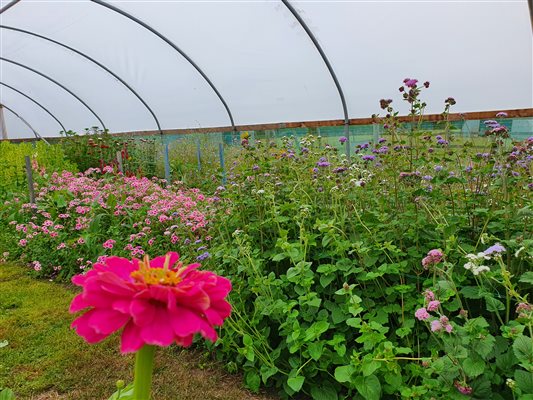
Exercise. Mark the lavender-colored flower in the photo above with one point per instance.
(203, 256)
(442, 142)
(385, 126)
(304, 150)
(339, 170)
(255, 168)
(383, 150)
(497, 248)
(427, 177)
(343, 139)
(438, 137)
(438, 168)
(323, 162)
(381, 140)
(369, 158)
(430, 150)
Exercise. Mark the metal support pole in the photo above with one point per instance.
(167, 165)
(29, 176)
(222, 163)
(119, 160)
(347, 143)
(198, 154)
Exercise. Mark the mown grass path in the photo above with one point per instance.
(44, 359)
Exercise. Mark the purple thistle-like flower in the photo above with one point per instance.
(323, 162)
(438, 137)
(442, 142)
(427, 177)
(343, 139)
(438, 168)
(497, 248)
(410, 83)
(369, 158)
(381, 140)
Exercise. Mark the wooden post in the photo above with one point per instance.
(198, 154)
(119, 160)
(29, 176)
(222, 163)
(3, 129)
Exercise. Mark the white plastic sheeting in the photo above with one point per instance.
(260, 59)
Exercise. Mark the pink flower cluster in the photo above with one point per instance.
(75, 200)
(433, 257)
(423, 314)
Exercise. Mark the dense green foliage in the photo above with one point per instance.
(403, 272)
(45, 159)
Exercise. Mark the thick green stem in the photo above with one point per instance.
(144, 364)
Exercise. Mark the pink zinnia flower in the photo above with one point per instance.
(433, 305)
(422, 314)
(157, 302)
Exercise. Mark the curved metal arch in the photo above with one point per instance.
(175, 47)
(330, 69)
(37, 135)
(57, 83)
(7, 7)
(93, 61)
(36, 102)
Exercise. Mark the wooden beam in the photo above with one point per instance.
(477, 115)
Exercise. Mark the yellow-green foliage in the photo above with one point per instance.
(48, 158)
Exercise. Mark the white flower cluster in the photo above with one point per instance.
(475, 261)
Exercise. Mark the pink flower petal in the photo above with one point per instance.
(106, 321)
(131, 339)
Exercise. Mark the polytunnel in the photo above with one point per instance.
(156, 66)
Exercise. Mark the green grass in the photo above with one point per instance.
(44, 359)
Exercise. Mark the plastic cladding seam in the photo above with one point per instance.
(36, 102)
(57, 83)
(175, 47)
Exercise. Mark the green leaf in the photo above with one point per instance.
(125, 393)
(344, 373)
(473, 367)
(523, 348)
(524, 380)
(325, 280)
(527, 277)
(296, 383)
(323, 393)
(471, 292)
(369, 367)
(267, 372)
(315, 350)
(315, 330)
(252, 380)
(494, 305)
(368, 387)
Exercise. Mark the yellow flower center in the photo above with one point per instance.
(156, 276)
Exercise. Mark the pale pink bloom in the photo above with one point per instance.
(157, 302)
(23, 242)
(433, 305)
(436, 326)
(422, 314)
(429, 295)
